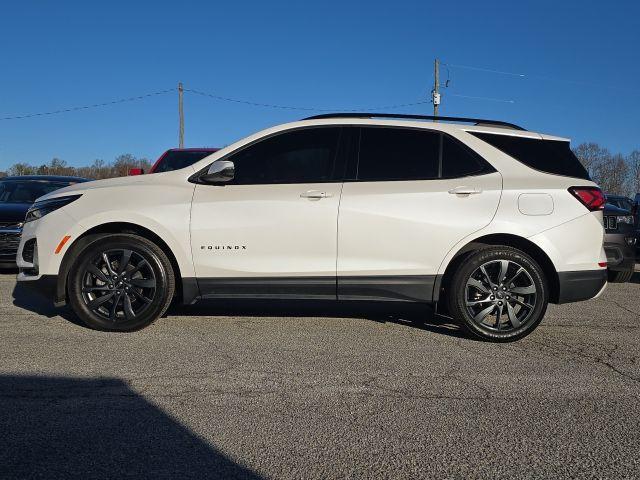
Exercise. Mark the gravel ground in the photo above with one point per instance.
(301, 390)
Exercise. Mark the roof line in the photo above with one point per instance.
(475, 121)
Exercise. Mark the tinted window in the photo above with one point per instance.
(302, 156)
(398, 154)
(174, 160)
(458, 160)
(550, 156)
(27, 191)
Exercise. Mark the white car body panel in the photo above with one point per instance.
(272, 230)
(155, 202)
(406, 228)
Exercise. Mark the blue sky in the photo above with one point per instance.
(579, 59)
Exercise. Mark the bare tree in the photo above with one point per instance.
(21, 169)
(592, 156)
(633, 160)
(612, 175)
(99, 169)
(123, 164)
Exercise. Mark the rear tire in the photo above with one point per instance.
(120, 282)
(619, 277)
(498, 294)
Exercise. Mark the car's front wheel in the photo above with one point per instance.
(120, 282)
(499, 294)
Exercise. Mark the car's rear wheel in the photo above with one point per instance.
(498, 294)
(121, 282)
(619, 277)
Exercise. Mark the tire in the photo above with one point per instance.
(138, 294)
(474, 301)
(619, 277)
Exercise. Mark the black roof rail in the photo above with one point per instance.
(475, 121)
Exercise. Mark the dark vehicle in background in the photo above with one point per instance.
(17, 194)
(621, 201)
(627, 203)
(176, 158)
(619, 242)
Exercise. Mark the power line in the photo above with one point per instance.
(545, 78)
(86, 107)
(482, 98)
(310, 109)
(488, 70)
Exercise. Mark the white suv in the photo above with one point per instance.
(484, 218)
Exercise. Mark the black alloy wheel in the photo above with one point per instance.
(498, 293)
(118, 284)
(121, 282)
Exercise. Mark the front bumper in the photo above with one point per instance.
(9, 242)
(581, 285)
(621, 256)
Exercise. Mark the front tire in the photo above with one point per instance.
(499, 294)
(121, 282)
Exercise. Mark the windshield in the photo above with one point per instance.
(174, 160)
(27, 191)
(624, 203)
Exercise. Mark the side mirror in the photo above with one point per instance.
(136, 171)
(220, 171)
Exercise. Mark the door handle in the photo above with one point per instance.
(465, 191)
(315, 194)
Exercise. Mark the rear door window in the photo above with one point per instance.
(388, 154)
(549, 156)
(458, 160)
(398, 154)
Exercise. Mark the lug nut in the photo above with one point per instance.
(500, 304)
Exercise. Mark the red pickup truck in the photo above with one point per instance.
(176, 158)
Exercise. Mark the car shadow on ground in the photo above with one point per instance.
(418, 316)
(63, 427)
(28, 299)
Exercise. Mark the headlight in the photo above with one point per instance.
(625, 219)
(44, 207)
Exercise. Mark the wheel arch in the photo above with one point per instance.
(510, 240)
(186, 289)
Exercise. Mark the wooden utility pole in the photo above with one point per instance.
(435, 93)
(181, 115)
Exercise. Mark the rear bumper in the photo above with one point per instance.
(581, 285)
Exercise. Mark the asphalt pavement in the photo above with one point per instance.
(307, 390)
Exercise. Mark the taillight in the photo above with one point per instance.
(590, 197)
